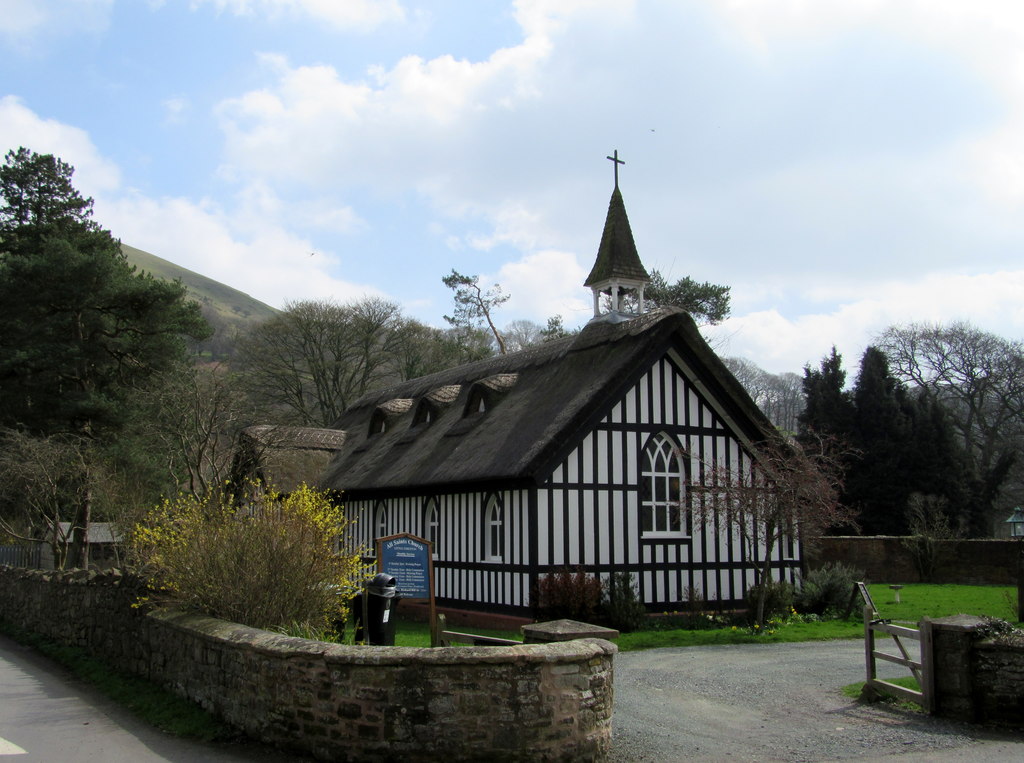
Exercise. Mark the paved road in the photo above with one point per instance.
(777, 702)
(46, 716)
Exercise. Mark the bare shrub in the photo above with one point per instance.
(930, 533)
(567, 594)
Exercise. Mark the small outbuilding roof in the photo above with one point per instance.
(513, 418)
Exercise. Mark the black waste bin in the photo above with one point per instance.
(377, 604)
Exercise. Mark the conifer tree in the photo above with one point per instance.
(81, 332)
(877, 481)
(828, 409)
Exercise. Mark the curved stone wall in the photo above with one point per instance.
(532, 702)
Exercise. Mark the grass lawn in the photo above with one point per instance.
(917, 600)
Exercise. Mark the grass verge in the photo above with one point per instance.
(147, 701)
(917, 600)
(856, 691)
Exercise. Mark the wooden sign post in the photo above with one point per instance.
(409, 559)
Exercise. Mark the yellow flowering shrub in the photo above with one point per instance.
(279, 560)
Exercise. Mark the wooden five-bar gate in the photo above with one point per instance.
(922, 669)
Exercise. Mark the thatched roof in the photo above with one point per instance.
(617, 256)
(536, 406)
(284, 456)
(295, 438)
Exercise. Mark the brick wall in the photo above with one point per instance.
(545, 702)
(884, 559)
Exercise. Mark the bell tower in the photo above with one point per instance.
(617, 272)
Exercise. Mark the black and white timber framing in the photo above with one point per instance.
(581, 452)
(560, 468)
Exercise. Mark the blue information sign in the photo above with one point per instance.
(407, 559)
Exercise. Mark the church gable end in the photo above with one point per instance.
(578, 452)
(619, 499)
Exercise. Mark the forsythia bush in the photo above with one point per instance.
(276, 561)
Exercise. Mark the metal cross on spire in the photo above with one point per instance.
(615, 158)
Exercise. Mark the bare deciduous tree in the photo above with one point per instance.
(41, 487)
(781, 493)
(521, 334)
(306, 365)
(779, 396)
(978, 377)
(196, 416)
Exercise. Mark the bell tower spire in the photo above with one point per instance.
(617, 271)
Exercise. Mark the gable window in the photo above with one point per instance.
(494, 537)
(662, 489)
(380, 521)
(432, 525)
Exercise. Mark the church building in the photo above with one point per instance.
(578, 452)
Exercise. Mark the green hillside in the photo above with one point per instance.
(228, 310)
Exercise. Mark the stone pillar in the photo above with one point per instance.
(564, 630)
(952, 646)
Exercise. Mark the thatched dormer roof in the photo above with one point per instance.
(513, 418)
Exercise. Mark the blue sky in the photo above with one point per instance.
(842, 165)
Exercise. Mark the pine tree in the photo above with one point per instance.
(81, 332)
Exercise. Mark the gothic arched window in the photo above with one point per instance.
(432, 525)
(662, 488)
(494, 536)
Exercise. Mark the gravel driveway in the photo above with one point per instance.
(776, 702)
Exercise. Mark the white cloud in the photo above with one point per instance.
(543, 284)
(984, 36)
(25, 23)
(361, 15)
(991, 301)
(246, 248)
(548, 18)
(396, 128)
(176, 109)
(20, 126)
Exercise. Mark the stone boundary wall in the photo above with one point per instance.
(885, 560)
(976, 679)
(543, 702)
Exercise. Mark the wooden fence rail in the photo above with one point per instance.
(922, 669)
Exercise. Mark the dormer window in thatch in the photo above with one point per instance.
(386, 413)
(477, 402)
(433, 404)
(486, 393)
(424, 414)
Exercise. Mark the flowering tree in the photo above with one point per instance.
(779, 493)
